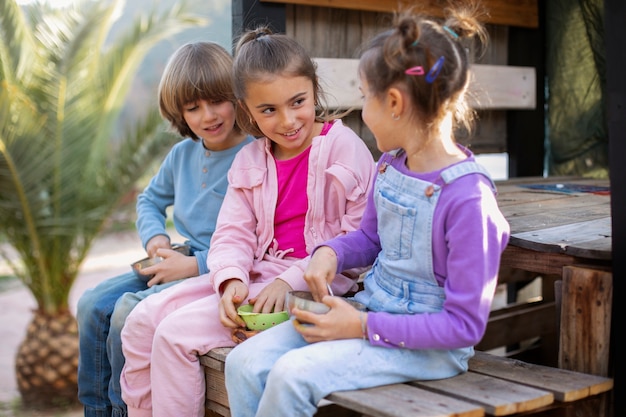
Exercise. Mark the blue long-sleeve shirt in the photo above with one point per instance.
(193, 181)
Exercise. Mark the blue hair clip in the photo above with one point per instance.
(451, 32)
(415, 42)
(435, 70)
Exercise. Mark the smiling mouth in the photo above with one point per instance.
(292, 133)
(214, 127)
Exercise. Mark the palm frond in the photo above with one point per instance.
(63, 165)
(17, 46)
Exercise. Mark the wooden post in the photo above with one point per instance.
(614, 12)
(247, 14)
(586, 320)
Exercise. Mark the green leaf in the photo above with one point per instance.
(64, 164)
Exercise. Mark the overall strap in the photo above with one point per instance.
(459, 170)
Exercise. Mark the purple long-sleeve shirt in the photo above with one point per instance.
(469, 236)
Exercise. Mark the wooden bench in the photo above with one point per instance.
(494, 386)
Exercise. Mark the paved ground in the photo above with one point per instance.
(110, 256)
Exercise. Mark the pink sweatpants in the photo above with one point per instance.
(162, 339)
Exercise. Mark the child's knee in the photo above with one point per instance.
(241, 361)
(92, 304)
(124, 305)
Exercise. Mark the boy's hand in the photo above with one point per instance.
(234, 292)
(156, 243)
(174, 266)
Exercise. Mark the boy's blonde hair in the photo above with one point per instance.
(196, 71)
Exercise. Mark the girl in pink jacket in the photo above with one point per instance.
(305, 181)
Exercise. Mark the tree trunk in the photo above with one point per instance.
(47, 361)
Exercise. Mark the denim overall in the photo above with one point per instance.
(402, 279)
(298, 375)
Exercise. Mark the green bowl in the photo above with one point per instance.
(261, 321)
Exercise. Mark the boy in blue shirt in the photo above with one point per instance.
(196, 97)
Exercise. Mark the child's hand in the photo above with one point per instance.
(174, 266)
(234, 292)
(341, 322)
(321, 271)
(156, 243)
(272, 297)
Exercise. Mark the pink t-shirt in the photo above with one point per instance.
(293, 202)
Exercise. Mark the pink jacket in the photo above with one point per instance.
(341, 170)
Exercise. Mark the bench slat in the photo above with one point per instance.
(499, 87)
(497, 396)
(566, 385)
(215, 358)
(401, 400)
(494, 385)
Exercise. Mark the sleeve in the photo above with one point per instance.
(201, 259)
(365, 238)
(154, 200)
(235, 234)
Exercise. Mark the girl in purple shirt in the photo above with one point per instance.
(432, 231)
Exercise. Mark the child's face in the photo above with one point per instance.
(213, 122)
(284, 109)
(377, 117)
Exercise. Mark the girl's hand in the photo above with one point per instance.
(341, 322)
(272, 297)
(174, 266)
(234, 292)
(321, 271)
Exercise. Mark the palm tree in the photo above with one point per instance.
(64, 165)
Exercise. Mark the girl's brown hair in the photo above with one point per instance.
(196, 71)
(259, 54)
(437, 57)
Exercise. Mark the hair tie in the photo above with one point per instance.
(451, 32)
(415, 43)
(260, 35)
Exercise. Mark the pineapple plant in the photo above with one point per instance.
(64, 164)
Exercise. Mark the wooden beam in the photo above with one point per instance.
(522, 13)
(492, 86)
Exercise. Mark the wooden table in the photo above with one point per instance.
(562, 226)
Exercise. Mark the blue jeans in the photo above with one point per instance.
(278, 374)
(101, 314)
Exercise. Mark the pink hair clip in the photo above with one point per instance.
(418, 70)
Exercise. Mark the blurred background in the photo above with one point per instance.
(117, 246)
